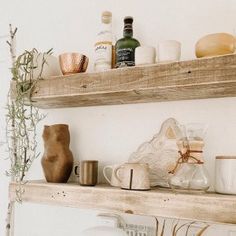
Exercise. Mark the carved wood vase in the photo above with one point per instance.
(57, 160)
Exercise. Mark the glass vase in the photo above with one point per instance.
(190, 173)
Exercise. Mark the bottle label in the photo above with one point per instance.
(103, 53)
(125, 57)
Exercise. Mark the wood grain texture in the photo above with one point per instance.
(196, 79)
(207, 207)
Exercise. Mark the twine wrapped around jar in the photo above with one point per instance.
(184, 158)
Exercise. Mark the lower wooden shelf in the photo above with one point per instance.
(157, 202)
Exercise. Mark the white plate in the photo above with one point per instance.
(161, 153)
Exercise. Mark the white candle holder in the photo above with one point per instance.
(145, 55)
(169, 51)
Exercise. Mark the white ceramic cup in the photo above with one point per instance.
(110, 177)
(133, 176)
(145, 55)
(225, 174)
(169, 51)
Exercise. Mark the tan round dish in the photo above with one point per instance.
(72, 63)
(215, 45)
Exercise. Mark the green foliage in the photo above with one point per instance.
(22, 116)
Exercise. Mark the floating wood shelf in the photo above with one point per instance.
(159, 202)
(196, 79)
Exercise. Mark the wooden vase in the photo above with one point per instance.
(57, 160)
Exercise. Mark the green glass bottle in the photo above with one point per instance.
(125, 47)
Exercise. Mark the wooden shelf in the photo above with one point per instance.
(196, 79)
(158, 202)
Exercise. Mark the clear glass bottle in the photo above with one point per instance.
(190, 173)
(103, 45)
(125, 47)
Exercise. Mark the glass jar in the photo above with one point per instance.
(190, 173)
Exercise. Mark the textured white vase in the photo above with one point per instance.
(51, 67)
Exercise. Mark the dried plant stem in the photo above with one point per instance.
(11, 205)
(157, 225)
(12, 44)
(200, 233)
(176, 228)
(163, 228)
(10, 219)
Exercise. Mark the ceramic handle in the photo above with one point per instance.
(104, 173)
(76, 170)
(117, 173)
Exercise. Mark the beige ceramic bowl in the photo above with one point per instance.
(72, 63)
(215, 45)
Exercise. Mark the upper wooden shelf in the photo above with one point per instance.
(196, 79)
(157, 202)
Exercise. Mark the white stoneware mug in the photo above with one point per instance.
(133, 176)
(112, 180)
(145, 55)
(225, 174)
(169, 51)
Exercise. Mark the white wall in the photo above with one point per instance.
(111, 133)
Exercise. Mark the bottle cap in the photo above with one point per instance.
(128, 20)
(106, 17)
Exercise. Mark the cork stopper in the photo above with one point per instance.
(106, 17)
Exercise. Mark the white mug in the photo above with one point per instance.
(225, 174)
(133, 176)
(145, 55)
(113, 180)
(169, 51)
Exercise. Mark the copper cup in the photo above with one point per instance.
(88, 172)
(72, 63)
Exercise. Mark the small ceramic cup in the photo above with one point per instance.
(88, 172)
(133, 176)
(72, 63)
(225, 174)
(169, 51)
(145, 55)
